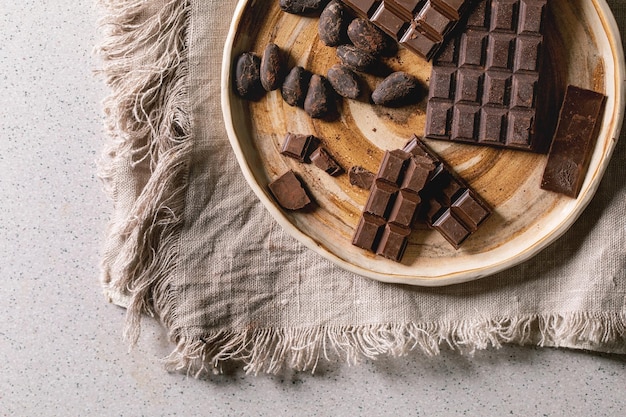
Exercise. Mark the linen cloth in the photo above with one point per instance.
(190, 243)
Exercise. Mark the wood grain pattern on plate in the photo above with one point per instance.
(584, 49)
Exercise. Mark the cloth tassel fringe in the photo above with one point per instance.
(145, 64)
(272, 350)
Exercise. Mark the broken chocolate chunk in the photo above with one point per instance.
(289, 192)
(324, 161)
(361, 177)
(298, 146)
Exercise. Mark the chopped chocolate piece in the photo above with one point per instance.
(344, 81)
(398, 89)
(404, 209)
(574, 141)
(381, 198)
(486, 88)
(393, 166)
(451, 228)
(320, 98)
(418, 173)
(322, 159)
(469, 210)
(393, 242)
(298, 146)
(421, 26)
(288, 191)
(368, 232)
(295, 86)
(248, 76)
(272, 67)
(333, 23)
(361, 177)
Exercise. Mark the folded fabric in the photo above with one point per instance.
(191, 244)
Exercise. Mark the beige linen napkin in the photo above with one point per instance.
(190, 243)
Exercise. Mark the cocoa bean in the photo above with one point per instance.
(272, 67)
(302, 7)
(398, 89)
(367, 37)
(247, 76)
(344, 81)
(320, 101)
(333, 24)
(356, 58)
(295, 86)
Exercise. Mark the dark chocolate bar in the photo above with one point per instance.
(485, 87)
(419, 25)
(392, 205)
(574, 141)
(449, 205)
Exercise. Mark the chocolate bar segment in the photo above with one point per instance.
(574, 141)
(449, 205)
(419, 25)
(486, 87)
(393, 202)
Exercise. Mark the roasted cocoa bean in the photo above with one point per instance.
(333, 24)
(302, 7)
(344, 81)
(320, 100)
(295, 86)
(272, 67)
(356, 58)
(398, 89)
(367, 37)
(247, 76)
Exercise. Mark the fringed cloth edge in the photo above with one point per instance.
(145, 63)
(270, 350)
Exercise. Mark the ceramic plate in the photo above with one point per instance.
(584, 49)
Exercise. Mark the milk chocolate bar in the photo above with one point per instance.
(419, 25)
(574, 140)
(448, 204)
(392, 204)
(485, 87)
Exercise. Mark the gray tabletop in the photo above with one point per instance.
(61, 343)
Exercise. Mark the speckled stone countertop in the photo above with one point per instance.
(61, 343)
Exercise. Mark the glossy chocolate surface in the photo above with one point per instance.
(574, 141)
